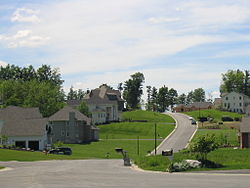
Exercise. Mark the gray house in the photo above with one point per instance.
(70, 126)
(23, 127)
(245, 130)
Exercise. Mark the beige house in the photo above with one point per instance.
(235, 102)
(245, 130)
(105, 104)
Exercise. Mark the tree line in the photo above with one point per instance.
(42, 87)
(28, 87)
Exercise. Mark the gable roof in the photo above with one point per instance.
(63, 115)
(15, 112)
(225, 94)
(103, 95)
(18, 121)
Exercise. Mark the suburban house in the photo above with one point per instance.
(193, 106)
(235, 102)
(68, 125)
(105, 104)
(245, 130)
(23, 127)
(217, 103)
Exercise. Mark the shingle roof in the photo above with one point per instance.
(103, 95)
(63, 115)
(18, 121)
(31, 127)
(15, 112)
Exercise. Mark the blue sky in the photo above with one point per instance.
(184, 44)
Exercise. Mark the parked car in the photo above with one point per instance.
(193, 122)
(61, 150)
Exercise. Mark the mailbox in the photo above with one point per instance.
(167, 152)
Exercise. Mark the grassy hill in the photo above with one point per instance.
(145, 130)
(215, 114)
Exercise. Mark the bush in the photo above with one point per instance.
(237, 119)
(183, 166)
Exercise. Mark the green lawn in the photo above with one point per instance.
(223, 136)
(93, 150)
(1, 167)
(110, 135)
(215, 114)
(147, 115)
(231, 159)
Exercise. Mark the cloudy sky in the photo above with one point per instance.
(184, 44)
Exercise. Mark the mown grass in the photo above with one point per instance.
(223, 136)
(147, 115)
(1, 167)
(231, 159)
(110, 134)
(101, 150)
(215, 114)
(130, 130)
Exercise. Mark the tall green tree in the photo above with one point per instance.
(189, 98)
(172, 97)
(233, 80)
(163, 99)
(181, 99)
(133, 90)
(149, 93)
(199, 95)
(72, 95)
(154, 95)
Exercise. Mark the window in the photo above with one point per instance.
(225, 105)
(240, 98)
(67, 133)
(240, 104)
(63, 133)
(226, 98)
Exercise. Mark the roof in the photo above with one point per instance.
(245, 125)
(63, 115)
(15, 112)
(225, 94)
(73, 102)
(196, 105)
(18, 121)
(31, 127)
(103, 95)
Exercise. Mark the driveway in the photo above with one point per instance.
(179, 139)
(106, 174)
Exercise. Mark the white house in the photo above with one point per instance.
(245, 130)
(235, 102)
(23, 127)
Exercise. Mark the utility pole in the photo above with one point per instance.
(138, 146)
(155, 139)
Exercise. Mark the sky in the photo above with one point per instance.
(182, 44)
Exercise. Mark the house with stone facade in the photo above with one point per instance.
(235, 102)
(68, 125)
(245, 130)
(104, 103)
(23, 127)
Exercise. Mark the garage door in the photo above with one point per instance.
(34, 145)
(20, 144)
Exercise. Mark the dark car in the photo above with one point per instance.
(61, 150)
(193, 122)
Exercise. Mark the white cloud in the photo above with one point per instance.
(22, 34)
(155, 20)
(25, 15)
(3, 63)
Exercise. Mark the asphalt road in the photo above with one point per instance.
(180, 137)
(106, 174)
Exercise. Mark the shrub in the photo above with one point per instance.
(203, 145)
(237, 119)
